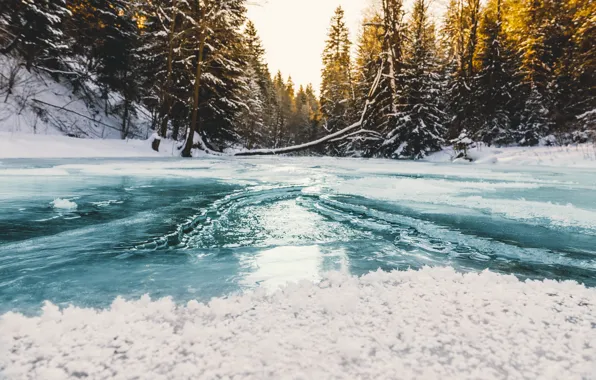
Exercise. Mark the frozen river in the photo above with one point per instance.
(86, 231)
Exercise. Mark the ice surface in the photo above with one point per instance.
(64, 204)
(434, 323)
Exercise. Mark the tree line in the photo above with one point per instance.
(500, 72)
(197, 66)
(503, 72)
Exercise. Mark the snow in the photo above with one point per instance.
(23, 145)
(26, 145)
(577, 155)
(64, 204)
(430, 324)
(40, 105)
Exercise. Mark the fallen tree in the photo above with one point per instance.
(351, 130)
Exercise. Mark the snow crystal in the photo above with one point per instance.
(64, 204)
(429, 324)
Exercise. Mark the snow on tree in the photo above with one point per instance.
(534, 120)
(420, 120)
(213, 54)
(495, 81)
(34, 29)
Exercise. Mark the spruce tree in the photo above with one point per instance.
(336, 87)
(420, 124)
(461, 29)
(496, 80)
(214, 56)
(583, 102)
(35, 29)
(369, 60)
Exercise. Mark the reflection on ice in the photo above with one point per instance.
(275, 267)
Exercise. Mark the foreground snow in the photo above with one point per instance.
(434, 323)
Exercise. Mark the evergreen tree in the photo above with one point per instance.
(420, 124)
(252, 111)
(583, 101)
(35, 29)
(369, 60)
(315, 116)
(496, 80)
(545, 39)
(259, 115)
(380, 80)
(162, 24)
(533, 120)
(118, 61)
(461, 29)
(336, 87)
(214, 55)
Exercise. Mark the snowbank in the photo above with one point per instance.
(21, 145)
(431, 324)
(579, 155)
(38, 104)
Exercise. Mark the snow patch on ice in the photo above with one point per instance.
(64, 204)
(432, 323)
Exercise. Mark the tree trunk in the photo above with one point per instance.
(195, 109)
(124, 131)
(164, 110)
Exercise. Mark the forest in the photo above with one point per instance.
(498, 72)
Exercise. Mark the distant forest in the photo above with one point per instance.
(501, 72)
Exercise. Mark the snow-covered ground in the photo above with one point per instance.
(27, 145)
(37, 104)
(578, 155)
(430, 324)
(24, 145)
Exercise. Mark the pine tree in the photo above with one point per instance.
(496, 80)
(545, 37)
(369, 60)
(336, 87)
(258, 117)
(380, 81)
(162, 23)
(583, 101)
(35, 29)
(118, 61)
(461, 30)
(420, 125)
(252, 111)
(534, 120)
(314, 115)
(214, 55)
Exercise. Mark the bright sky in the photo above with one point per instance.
(294, 33)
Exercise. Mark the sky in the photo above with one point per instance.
(294, 33)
